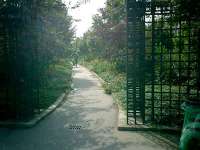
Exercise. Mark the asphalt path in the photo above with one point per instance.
(86, 121)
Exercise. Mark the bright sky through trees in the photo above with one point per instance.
(84, 14)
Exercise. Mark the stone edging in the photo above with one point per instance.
(37, 118)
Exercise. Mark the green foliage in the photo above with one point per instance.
(58, 82)
(107, 88)
(115, 82)
(34, 36)
(57, 32)
(107, 37)
(183, 7)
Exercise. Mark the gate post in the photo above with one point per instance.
(135, 61)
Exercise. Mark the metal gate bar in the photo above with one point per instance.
(19, 79)
(135, 59)
(162, 62)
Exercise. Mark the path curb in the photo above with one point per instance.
(122, 126)
(37, 118)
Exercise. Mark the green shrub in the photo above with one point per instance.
(107, 88)
(58, 81)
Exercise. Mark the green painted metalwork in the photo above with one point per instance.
(26, 56)
(17, 73)
(162, 62)
(135, 60)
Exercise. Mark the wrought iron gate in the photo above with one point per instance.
(162, 62)
(18, 72)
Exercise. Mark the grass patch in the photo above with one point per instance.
(57, 82)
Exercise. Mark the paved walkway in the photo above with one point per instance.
(86, 121)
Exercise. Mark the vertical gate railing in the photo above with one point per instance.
(135, 60)
(18, 78)
(162, 62)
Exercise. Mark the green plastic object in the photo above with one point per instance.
(190, 113)
(190, 139)
(197, 119)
